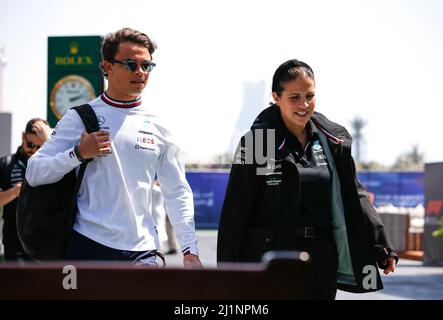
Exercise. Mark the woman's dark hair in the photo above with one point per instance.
(290, 70)
(112, 40)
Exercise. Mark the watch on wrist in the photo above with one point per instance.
(77, 154)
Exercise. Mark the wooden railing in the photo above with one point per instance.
(281, 275)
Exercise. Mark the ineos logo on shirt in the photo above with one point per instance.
(144, 143)
(145, 140)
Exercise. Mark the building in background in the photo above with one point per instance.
(5, 117)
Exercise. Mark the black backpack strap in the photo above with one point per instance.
(5, 161)
(8, 160)
(89, 119)
(5, 170)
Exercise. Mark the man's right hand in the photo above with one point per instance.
(93, 144)
(42, 130)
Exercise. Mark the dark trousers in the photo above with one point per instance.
(82, 248)
(323, 253)
(13, 249)
(14, 253)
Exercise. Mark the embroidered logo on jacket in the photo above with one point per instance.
(273, 172)
(317, 153)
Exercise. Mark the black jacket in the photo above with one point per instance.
(260, 211)
(12, 171)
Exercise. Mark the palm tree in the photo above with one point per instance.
(413, 159)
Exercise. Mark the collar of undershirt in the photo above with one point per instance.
(120, 104)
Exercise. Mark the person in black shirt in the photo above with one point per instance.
(12, 172)
(305, 196)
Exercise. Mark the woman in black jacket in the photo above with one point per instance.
(293, 186)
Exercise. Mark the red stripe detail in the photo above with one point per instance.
(121, 105)
(186, 251)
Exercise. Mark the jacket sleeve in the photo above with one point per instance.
(237, 206)
(382, 244)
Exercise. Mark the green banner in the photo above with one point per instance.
(74, 75)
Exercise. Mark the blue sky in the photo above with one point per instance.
(380, 60)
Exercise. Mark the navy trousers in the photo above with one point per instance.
(82, 248)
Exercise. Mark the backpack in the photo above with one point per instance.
(5, 170)
(46, 213)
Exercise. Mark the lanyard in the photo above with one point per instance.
(21, 164)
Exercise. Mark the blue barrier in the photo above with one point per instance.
(209, 192)
(404, 189)
(401, 189)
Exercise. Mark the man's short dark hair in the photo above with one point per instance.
(31, 122)
(112, 40)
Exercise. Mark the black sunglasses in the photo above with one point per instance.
(131, 65)
(31, 145)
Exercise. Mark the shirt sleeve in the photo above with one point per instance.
(178, 197)
(56, 157)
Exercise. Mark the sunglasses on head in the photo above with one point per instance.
(131, 65)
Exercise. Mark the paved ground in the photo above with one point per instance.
(411, 280)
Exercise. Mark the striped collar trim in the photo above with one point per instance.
(120, 104)
(282, 145)
(332, 137)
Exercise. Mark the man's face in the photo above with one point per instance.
(123, 84)
(31, 143)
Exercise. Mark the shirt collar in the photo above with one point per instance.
(292, 140)
(120, 104)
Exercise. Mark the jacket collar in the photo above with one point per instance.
(336, 133)
(270, 118)
(21, 155)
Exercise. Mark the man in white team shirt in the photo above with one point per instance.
(114, 219)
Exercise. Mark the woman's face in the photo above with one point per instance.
(296, 102)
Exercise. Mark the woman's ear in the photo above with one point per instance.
(275, 97)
